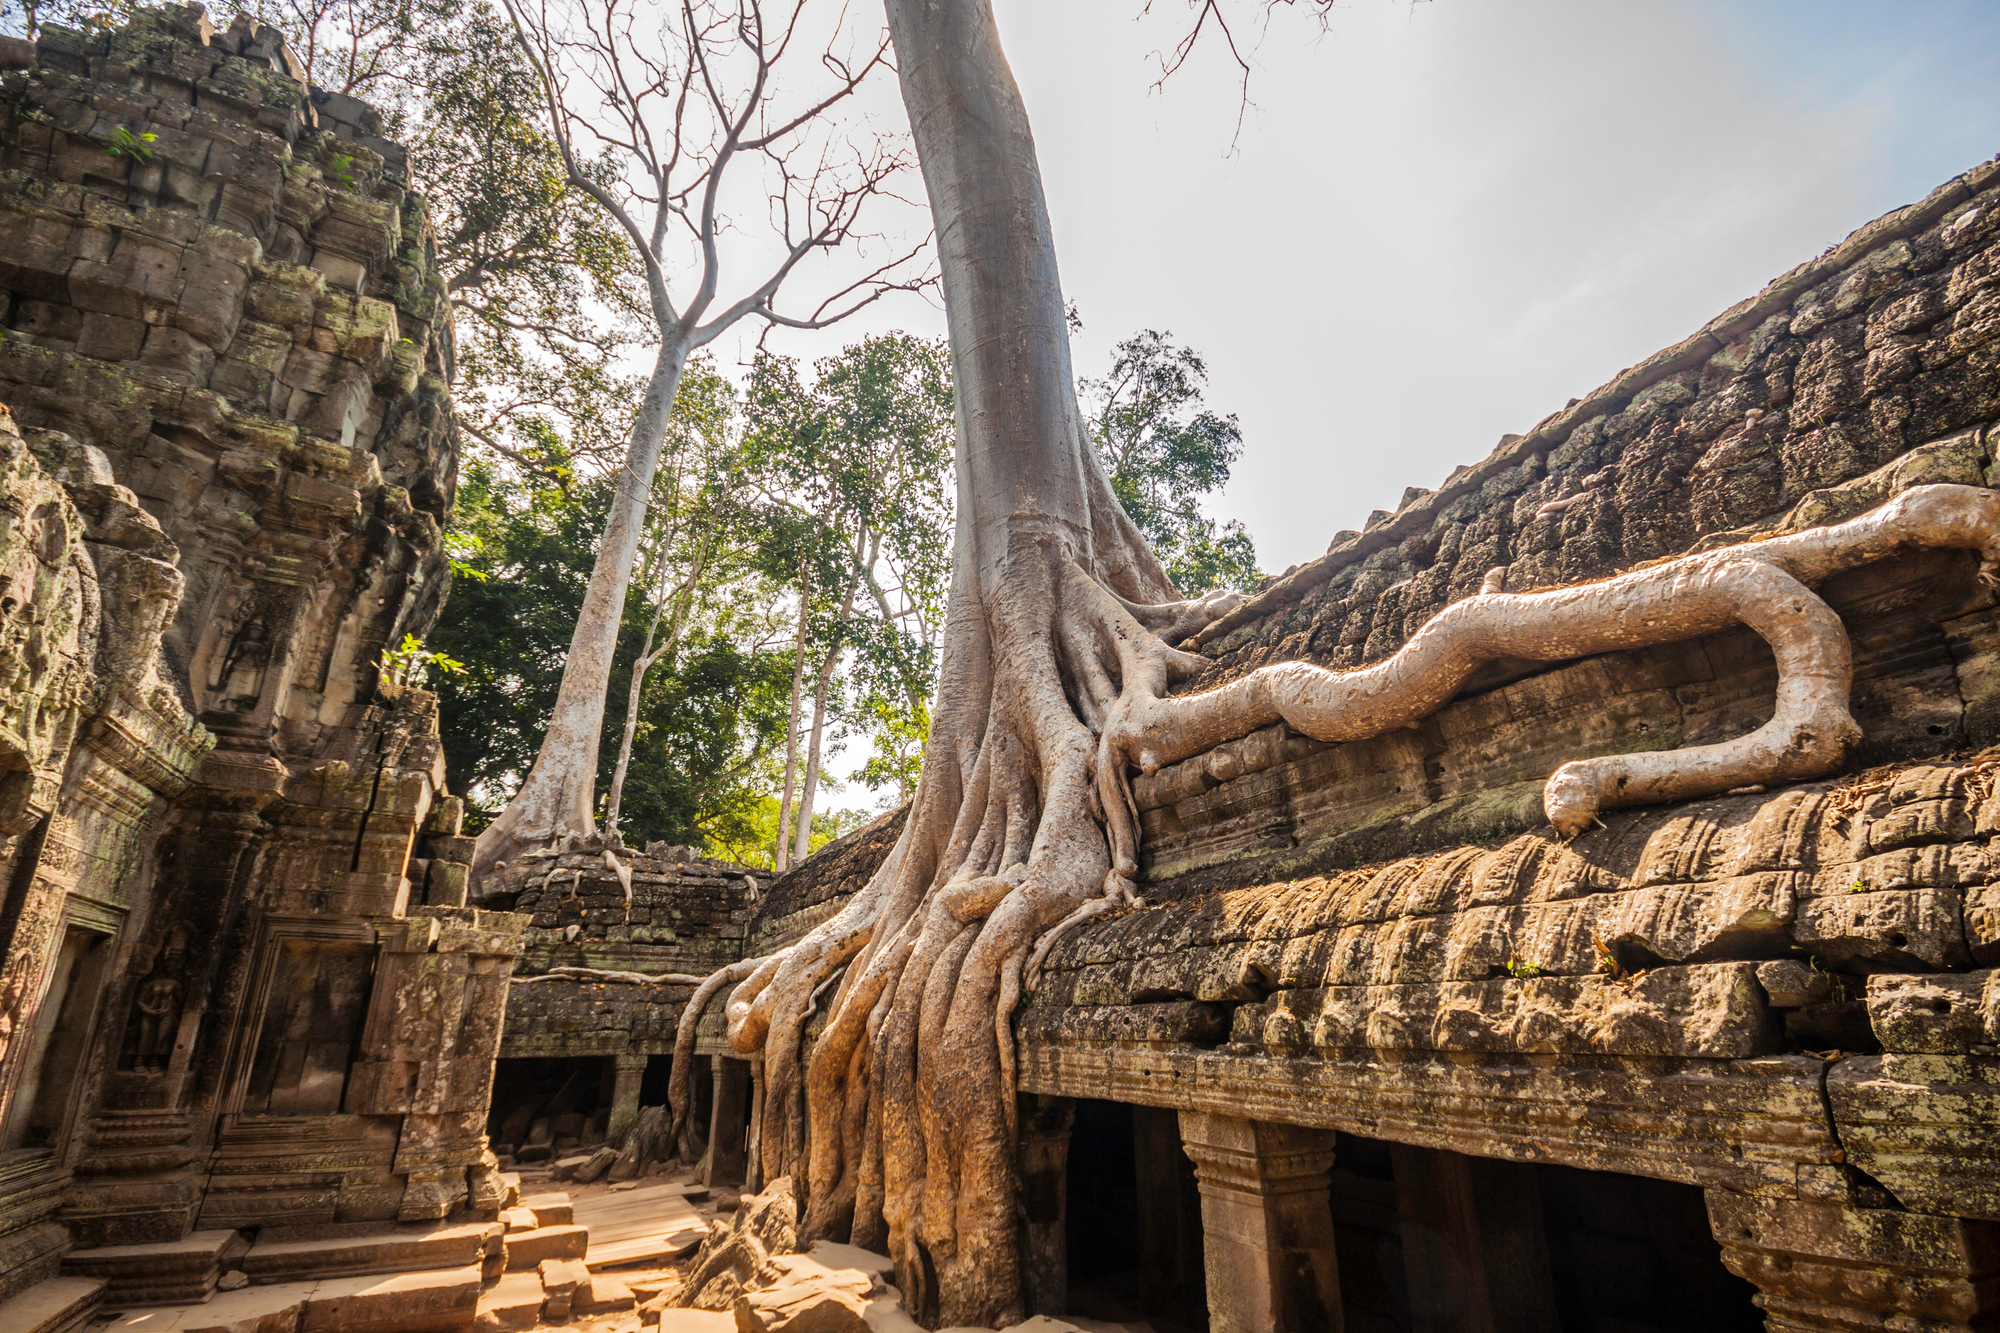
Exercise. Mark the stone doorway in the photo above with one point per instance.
(1134, 1240)
(1438, 1242)
(47, 1093)
(545, 1106)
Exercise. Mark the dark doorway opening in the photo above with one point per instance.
(1367, 1237)
(1429, 1239)
(61, 1038)
(544, 1106)
(1636, 1254)
(1134, 1225)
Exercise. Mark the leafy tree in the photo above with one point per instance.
(861, 457)
(1165, 450)
(684, 126)
(707, 718)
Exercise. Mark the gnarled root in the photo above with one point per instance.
(1759, 584)
(684, 1035)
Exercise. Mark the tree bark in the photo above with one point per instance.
(556, 801)
(803, 836)
(778, 861)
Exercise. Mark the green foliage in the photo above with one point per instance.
(712, 710)
(862, 458)
(410, 663)
(750, 843)
(1521, 971)
(126, 144)
(1165, 450)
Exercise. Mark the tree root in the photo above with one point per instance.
(684, 1036)
(611, 975)
(1024, 827)
(1760, 584)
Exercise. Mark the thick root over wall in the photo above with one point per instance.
(1023, 825)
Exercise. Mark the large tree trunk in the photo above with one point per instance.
(912, 1107)
(556, 801)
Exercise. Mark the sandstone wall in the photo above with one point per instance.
(686, 914)
(1786, 997)
(241, 985)
(1869, 369)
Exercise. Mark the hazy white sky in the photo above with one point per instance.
(1441, 221)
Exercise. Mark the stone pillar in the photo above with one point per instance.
(1267, 1226)
(1832, 1268)
(728, 1120)
(1474, 1254)
(630, 1074)
(1044, 1160)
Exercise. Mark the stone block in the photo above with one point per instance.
(1893, 927)
(158, 1274)
(432, 1301)
(1944, 1015)
(57, 1305)
(109, 337)
(395, 1250)
(527, 1249)
(604, 1294)
(43, 319)
(560, 1280)
(515, 1301)
(550, 1210)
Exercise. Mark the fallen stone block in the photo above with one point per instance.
(527, 1249)
(596, 1165)
(519, 1219)
(807, 1297)
(514, 1302)
(550, 1210)
(560, 1280)
(603, 1294)
(444, 1301)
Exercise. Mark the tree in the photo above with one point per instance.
(1054, 686)
(861, 454)
(1165, 450)
(1053, 591)
(693, 727)
(674, 111)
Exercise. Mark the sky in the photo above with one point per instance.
(1438, 222)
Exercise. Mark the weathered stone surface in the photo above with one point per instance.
(527, 1249)
(224, 398)
(1821, 1266)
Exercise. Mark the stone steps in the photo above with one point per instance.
(175, 1272)
(434, 1301)
(403, 1249)
(56, 1305)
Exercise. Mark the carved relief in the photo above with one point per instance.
(48, 616)
(156, 1005)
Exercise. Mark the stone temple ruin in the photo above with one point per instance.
(1383, 1052)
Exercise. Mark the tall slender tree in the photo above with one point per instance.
(653, 120)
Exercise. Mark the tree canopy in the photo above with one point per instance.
(1165, 450)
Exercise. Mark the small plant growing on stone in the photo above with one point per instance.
(1858, 886)
(409, 663)
(126, 144)
(1521, 971)
(342, 170)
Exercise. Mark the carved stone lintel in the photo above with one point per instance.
(1831, 1268)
